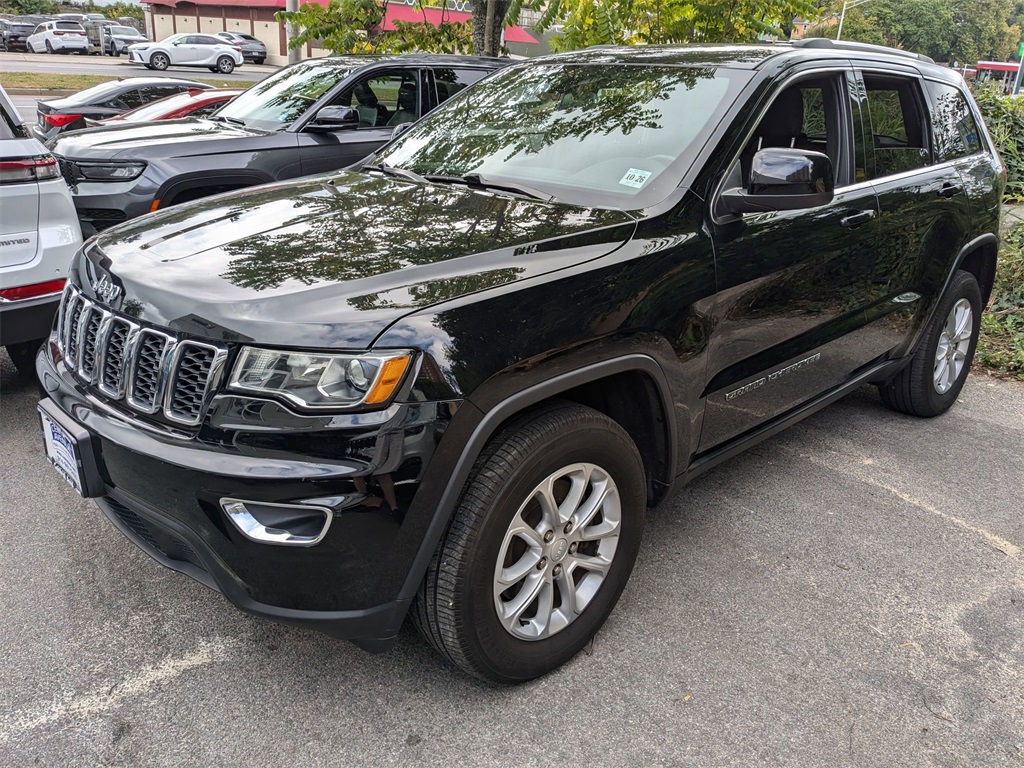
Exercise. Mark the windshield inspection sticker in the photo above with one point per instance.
(635, 178)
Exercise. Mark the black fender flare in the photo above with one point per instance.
(197, 180)
(492, 419)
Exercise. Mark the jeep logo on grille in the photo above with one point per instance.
(107, 291)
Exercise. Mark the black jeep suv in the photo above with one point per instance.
(449, 383)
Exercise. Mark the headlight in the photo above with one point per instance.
(111, 171)
(318, 380)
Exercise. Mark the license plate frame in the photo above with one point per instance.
(69, 448)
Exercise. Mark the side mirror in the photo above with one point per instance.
(400, 129)
(333, 119)
(784, 180)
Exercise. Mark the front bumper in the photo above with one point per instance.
(164, 493)
(104, 204)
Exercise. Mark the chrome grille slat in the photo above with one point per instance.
(153, 372)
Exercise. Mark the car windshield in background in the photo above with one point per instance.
(275, 103)
(22, 28)
(592, 134)
(155, 109)
(97, 94)
(73, 26)
(123, 31)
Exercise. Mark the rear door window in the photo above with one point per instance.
(897, 124)
(449, 81)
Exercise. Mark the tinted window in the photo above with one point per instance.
(956, 132)
(204, 40)
(69, 25)
(123, 31)
(897, 127)
(451, 81)
(131, 99)
(154, 92)
(209, 109)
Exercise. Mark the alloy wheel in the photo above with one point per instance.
(953, 345)
(557, 551)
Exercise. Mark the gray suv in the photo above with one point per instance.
(308, 118)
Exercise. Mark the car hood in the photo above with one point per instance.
(332, 261)
(166, 138)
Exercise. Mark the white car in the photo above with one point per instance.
(187, 50)
(58, 37)
(39, 233)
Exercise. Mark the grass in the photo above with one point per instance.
(1001, 346)
(48, 81)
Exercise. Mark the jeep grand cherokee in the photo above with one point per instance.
(449, 383)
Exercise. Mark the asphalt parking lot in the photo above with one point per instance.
(848, 593)
(119, 67)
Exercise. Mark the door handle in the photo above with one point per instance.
(856, 218)
(948, 190)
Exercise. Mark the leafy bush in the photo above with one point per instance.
(1004, 116)
(1002, 326)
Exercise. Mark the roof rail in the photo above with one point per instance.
(843, 45)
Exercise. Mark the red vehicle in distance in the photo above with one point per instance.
(191, 103)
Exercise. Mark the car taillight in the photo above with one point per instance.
(32, 291)
(29, 169)
(60, 120)
(59, 34)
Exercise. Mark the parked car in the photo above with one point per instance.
(14, 34)
(69, 113)
(39, 233)
(111, 38)
(316, 116)
(185, 50)
(57, 37)
(252, 49)
(193, 103)
(449, 381)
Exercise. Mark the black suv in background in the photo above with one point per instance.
(319, 115)
(449, 383)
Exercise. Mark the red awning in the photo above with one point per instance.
(513, 32)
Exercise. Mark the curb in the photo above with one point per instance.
(37, 92)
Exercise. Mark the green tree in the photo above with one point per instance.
(983, 31)
(33, 7)
(357, 26)
(122, 9)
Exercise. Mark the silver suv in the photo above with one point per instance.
(39, 233)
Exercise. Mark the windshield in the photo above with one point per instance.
(275, 103)
(21, 27)
(593, 134)
(123, 31)
(154, 110)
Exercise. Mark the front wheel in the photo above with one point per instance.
(932, 381)
(540, 547)
(159, 61)
(225, 65)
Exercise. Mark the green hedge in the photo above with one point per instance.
(1004, 116)
(1001, 346)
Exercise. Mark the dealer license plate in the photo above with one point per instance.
(62, 451)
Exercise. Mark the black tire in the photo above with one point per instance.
(148, 66)
(914, 390)
(225, 65)
(49, 47)
(455, 609)
(258, 61)
(23, 355)
(159, 61)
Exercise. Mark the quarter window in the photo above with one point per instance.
(956, 132)
(897, 127)
(451, 81)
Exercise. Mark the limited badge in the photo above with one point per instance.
(635, 178)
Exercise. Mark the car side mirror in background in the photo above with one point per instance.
(400, 129)
(783, 180)
(333, 119)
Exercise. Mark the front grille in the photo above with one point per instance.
(152, 371)
(162, 541)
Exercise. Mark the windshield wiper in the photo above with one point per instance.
(476, 181)
(390, 170)
(226, 119)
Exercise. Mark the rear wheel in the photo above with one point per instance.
(23, 355)
(540, 547)
(932, 381)
(159, 61)
(225, 65)
(49, 48)
(258, 61)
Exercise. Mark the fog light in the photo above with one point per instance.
(292, 525)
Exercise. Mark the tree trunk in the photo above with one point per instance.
(488, 21)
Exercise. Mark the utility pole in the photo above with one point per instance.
(842, 16)
(291, 30)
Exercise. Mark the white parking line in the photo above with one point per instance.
(110, 697)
